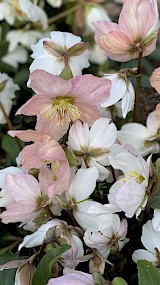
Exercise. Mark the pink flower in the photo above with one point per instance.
(59, 102)
(73, 278)
(45, 152)
(29, 198)
(155, 79)
(135, 33)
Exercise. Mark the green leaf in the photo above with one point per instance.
(9, 257)
(43, 272)
(148, 274)
(119, 281)
(7, 277)
(71, 157)
(9, 145)
(66, 73)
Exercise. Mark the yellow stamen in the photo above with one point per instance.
(134, 174)
(63, 110)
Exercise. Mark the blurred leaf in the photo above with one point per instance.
(7, 277)
(119, 281)
(148, 274)
(155, 200)
(9, 257)
(9, 145)
(43, 272)
(21, 76)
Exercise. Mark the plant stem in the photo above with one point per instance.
(138, 89)
(63, 14)
(10, 126)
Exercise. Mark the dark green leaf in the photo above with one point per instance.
(148, 274)
(43, 272)
(7, 277)
(9, 145)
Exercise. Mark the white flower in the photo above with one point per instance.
(24, 11)
(59, 230)
(24, 37)
(156, 220)
(55, 3)
(97, 55)
(129, 192)
(92, 146)
(13, 58)
(5, 198)
(113, 237)
(81, 187)
(151, 240)
(7, 93)
(38, 237)
(94, 13)
(53, 54)
(146, 139)
(121, 89)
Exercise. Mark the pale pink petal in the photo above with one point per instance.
(135, 22)
(19, 212)
(45, 83)
(89, 113)
(50, 127)
(78, 278)
(117, 45)
(28, 135)
(103, 27)
(22, 186)
(29, 158)
(155, 79)
(35, 105)
(90, 89)
(152, 123)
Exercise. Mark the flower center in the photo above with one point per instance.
(63, 110)
(89, 152)
(134, 174)
(15, 4)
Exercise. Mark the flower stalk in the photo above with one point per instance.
(138, 88)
